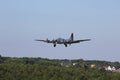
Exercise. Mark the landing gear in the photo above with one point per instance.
(54, 45)
(65, 45)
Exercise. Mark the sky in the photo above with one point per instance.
(23, 21)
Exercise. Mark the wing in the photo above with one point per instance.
(47, 41)
(78, 41)
(84, 40)
(42, 40)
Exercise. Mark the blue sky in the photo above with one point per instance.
(25, 20)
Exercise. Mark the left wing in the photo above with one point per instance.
(78, 41)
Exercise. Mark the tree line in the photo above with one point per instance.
(12, 68)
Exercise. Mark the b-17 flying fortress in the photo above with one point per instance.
(64, 41)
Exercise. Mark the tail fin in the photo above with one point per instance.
(72, 37)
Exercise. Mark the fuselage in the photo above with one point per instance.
(62, 41)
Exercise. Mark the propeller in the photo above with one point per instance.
(54, 41)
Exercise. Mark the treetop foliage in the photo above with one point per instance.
(12, 68)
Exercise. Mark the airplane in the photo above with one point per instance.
(64, 41)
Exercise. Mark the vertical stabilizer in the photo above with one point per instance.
(72, 37)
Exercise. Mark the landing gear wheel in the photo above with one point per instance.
(54, 45)
(65, 45)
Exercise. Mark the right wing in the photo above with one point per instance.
(47, 41)
(42, 40)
